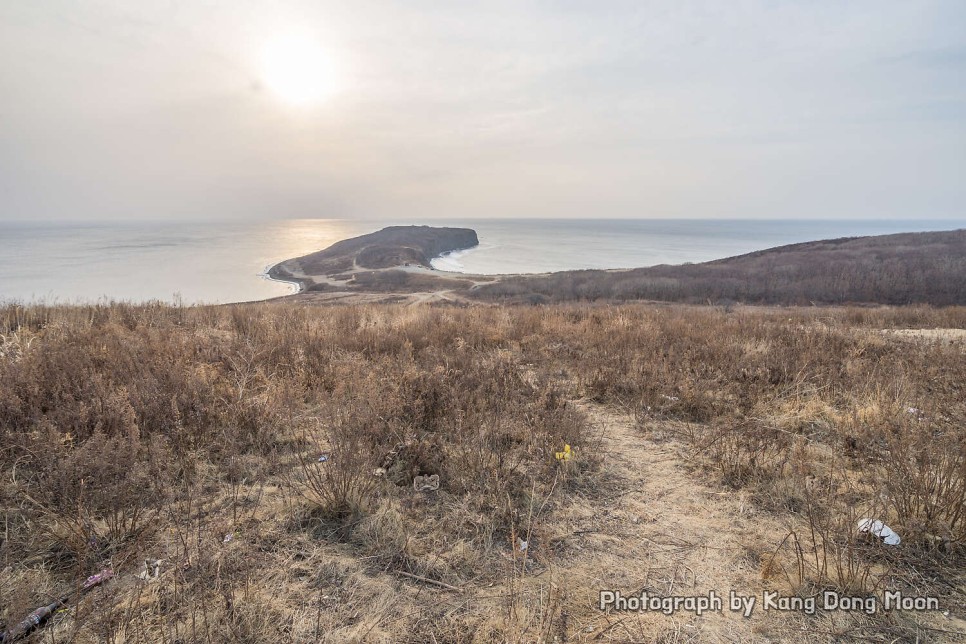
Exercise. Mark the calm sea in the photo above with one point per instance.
(225, 262)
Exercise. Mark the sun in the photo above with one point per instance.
(297, 71)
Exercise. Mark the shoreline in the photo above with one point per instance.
(209, 274)
(276, 273)
(381, 262)
(393, 263)
(453, 256)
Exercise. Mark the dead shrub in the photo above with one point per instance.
(746, 451)
(100, 498)
(925, 479)
(344, 484)
(827, 550)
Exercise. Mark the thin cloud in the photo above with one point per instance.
(661, 108)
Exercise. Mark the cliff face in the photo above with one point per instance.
(389, 247)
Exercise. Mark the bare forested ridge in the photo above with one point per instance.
(908, 268)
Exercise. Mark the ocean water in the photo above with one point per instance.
(534, 246)
(225, 262)
(189, 262)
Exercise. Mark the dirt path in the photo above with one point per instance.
(943, 336)
(433, 296)
(654, 526)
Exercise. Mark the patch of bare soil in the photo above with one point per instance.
(946, 336)
(648, 524)
(656, 527)
(659, 526)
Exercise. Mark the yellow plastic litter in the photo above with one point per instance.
(565, 455)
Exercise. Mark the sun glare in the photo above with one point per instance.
(298, 71)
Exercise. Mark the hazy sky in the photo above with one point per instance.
(115, 109)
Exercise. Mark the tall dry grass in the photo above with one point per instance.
(132, 431)
(193, 435)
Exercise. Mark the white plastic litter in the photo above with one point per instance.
(426, 483)
(152, 570)
(881, 530)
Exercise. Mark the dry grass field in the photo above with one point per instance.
(266, 455)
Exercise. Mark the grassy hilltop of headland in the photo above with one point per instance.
(389, 248)
(713, 449)
(907, 268)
